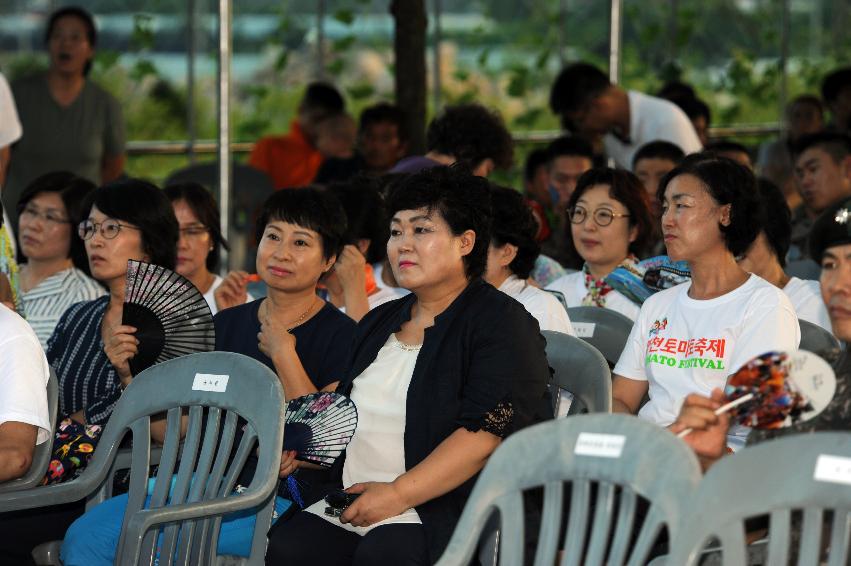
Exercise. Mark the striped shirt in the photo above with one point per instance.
(45, 303)
(87, 379)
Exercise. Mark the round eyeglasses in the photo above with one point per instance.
(108, 229)
(602, 216)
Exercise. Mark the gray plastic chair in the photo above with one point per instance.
(620, 455)
(814, 338)
(580, 369)
(41, 454)
(809, 472)
(190, 495)
(605, 329)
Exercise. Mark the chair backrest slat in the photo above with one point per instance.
(839, 538)
(811, 535)
(627, 507)
(577, 521)
(511, 514)
(140, 451)
(550, 520)
(603, 511)
(778, 544)
(165, 470)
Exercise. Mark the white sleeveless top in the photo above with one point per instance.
(377, 450)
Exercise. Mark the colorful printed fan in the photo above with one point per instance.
(778, 389)
(319, 426)
(170, 315)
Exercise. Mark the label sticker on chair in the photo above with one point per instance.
(599, 445)
(584, 329)
(210, 382)
(833, 469)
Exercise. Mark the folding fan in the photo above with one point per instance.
(319, 426)
(170, 315)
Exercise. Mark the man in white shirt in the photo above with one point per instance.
(592, 107)
(24, 419)
(10, 132)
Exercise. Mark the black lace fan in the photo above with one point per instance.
(319, 426)
(170, 315)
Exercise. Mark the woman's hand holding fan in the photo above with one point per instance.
(708, 436)
(120, 345)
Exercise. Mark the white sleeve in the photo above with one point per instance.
(551, 314)
(769, 326)
(23, 384)
(631, 363)
(10, 125)
(812, 309)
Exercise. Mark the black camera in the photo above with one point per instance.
(338, 500)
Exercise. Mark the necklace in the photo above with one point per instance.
(292, 324)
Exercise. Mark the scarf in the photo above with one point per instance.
(599, 288)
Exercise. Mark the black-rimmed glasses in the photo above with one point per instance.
(108, 229)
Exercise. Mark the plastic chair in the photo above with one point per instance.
(41, 454)
(189, 497)
(605, 329)
(580, 369)
(619, 455)
(803, 474)
(814, 338)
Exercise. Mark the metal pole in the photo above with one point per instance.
(562, 32)
(672, 23)
(784, 55)
(320, 39)
(615, 41)
(438, 37)
(225, 12)
(190, 80)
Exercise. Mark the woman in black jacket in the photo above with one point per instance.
(439, 378)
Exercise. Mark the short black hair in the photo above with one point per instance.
(536, 159)
(361, 200)
(471, 133)
(834, 82)
(775, 218)
(810, 99)
(204, 207)
(627, 189)
(727, 146)
(694, 108)
(569, 146)
(513, 223)
(727, 182)
(837, 145)
(676, 91)
(577, 85)
(322, 98)
(385, 112)
(659, 149)
(462, 199)
(72, 190)
(143, 204)
(85, 17)
(308, 207)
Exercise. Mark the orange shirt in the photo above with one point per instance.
(290, 160)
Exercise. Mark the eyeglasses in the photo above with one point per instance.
(49, 216)
(602, 216)
(193, 232)
(108, 229)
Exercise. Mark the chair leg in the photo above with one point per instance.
(47, 554)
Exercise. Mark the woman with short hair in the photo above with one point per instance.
(611, 226)
(439, 377)
(691, 337)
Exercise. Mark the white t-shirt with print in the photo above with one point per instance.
(680, 345)
(23, 375)
(572, 286)
(540, 304)
(805, 296)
